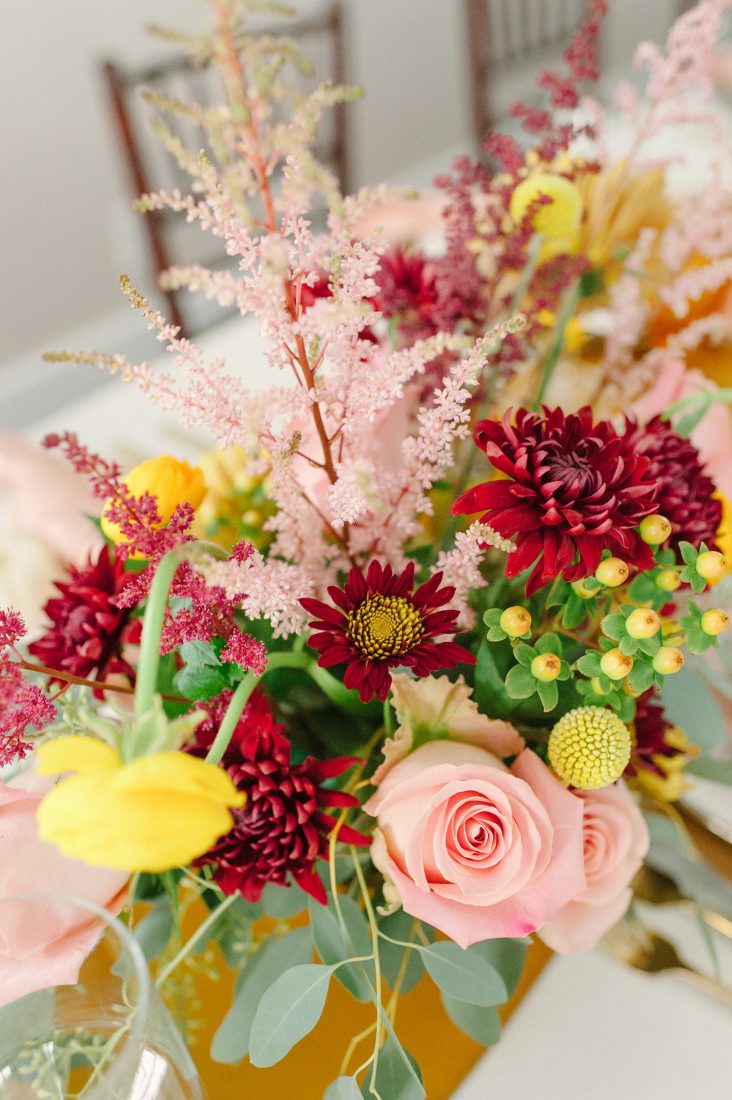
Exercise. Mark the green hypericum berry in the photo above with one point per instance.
(668, 660)
(580, 589)
(546, 667)
(643, 623)
(655, 529)
(516, 621)
(711, 565)
(668, 580)
(616, 665)
(597, 687)
(714, 621)
(612, 572)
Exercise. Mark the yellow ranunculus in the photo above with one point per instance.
(235, 506)
(559, 220)
(154, 813)
(723, 537)
(171, 480)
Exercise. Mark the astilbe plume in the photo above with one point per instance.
(283, 828)
(572, 489)
(686, 492)
(88, 629)
(23, 706)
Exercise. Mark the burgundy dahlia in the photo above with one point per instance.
(408, 291)
(572, 489)
(379, 622)
(88, 631)
(282, 829)
(650, 730)
(685, 489)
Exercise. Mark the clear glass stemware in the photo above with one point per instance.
(106, 1037)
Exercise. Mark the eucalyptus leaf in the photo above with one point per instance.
(397, 1075)
(719, 771)
(689, 703)
(283, 902)
(506, 955)
(154, 930)
(400, 926)
(287, 1012)
(343, 1088)
(275, 957)
(481, 1022)
(335, 944)
(463, 974)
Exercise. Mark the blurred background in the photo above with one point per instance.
(66, 223)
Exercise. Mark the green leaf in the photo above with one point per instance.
(154, 930)
(549, 643)
(343, 1088)
(287, 1012)
(463, 974)
(520, 684)
(589, 664)
(231, 1041)
(689, 703)
(491, 665)
(397, 1075)
(688, 553)
(506, 955)
(719, 771)
(641, 676)
(548, 693)
(283, 902)
(400, 926)
(524, 654)
(628, 646)
(650, 646)
(334, 945)
(613, 626)
(481, 1022)
(200, 681)
(576, 610)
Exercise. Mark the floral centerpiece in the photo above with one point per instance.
(395, 655)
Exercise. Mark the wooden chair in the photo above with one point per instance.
(508, 36)
(149, 167)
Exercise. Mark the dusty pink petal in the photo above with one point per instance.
(450, 753)
(615, 845)
(38, 947)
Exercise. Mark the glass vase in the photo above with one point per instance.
(105, 1036)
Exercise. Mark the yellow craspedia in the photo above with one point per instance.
(589, 748)
(151, 814)
(172, 481)
(557, 220)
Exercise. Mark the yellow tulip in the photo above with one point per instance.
(151, 814)
(170, 480)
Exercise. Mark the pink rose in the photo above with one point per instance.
(37, 953)
(615, 843)
(713, 434)
(474, 848)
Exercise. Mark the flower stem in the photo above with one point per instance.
(191, 943)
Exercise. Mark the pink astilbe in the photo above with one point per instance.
(243, 649)
(23, 706)
(460, 566)
(685, 64)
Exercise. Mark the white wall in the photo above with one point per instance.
(65, 229)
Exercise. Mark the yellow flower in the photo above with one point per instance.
(723, 537)
(170, 480)
(151, 814)
(235, 505)
(557, 221)
(668, 784)
(589, 748)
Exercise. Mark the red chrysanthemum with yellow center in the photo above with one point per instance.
(379, 622)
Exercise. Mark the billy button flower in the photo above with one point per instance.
(589, 748)
(538, 670)
(380, 622)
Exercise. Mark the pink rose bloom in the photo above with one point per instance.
(712, 436)
(38, 953)
(474, 848)
(616, 843)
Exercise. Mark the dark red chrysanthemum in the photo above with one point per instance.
(572, 489)
(282, 829)
(379, 622)
(685, 489)
(88, 631)
(408, 291)
(650, 727)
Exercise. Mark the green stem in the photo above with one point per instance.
(188, 946)
(154, 618)
(374, 929)
(568, 309)
(241, 696)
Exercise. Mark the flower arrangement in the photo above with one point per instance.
(396, 656)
